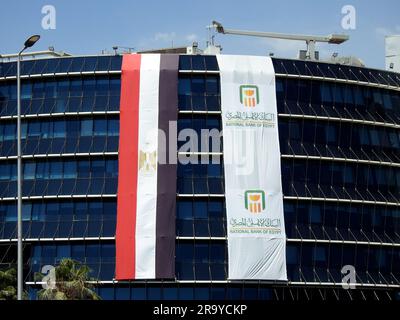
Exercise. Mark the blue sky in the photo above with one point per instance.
(89, 26)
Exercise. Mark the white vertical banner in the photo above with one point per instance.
(253, 187)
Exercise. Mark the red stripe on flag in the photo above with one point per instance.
(127, 168)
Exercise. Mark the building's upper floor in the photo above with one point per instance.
(112, 64)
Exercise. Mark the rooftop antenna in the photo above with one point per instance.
(129, 49)
(310, 40)
(211, 46)
(210, 35)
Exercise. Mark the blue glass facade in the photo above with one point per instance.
(339, 131)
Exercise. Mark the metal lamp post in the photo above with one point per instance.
(28, 43)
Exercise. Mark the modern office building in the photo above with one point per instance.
(339, 132)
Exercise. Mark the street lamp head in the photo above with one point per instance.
(218, 26)
(338, 38)
(31, 41)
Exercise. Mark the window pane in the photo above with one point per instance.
(70, 170)
(198, 85)
(56, 170)
(86, 127)
(29, 171)
(26, 211)
(60, 130)
(212, 85)
(89, 86)
(100, 127)
(184, 86)
(326, 95)
(113, 127)
(76, 87)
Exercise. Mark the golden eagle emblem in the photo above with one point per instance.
(147, 161)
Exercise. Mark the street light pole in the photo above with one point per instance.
(19, 183)
(28, 43)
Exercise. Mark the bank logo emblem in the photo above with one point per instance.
(147, 162)
(254, 200)
(249, 96)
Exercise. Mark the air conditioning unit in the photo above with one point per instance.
(193, 49)
(302, 55)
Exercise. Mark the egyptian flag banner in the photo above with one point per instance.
(145, 234)
(253, 187)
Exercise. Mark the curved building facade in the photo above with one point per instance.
(339, 132)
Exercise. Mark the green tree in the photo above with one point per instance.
(8, 284)
(72, 283)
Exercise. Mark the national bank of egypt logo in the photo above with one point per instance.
(254, 200)
(249, 96)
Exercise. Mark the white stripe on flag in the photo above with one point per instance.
(147, 167)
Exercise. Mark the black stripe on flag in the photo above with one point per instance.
(166, 176)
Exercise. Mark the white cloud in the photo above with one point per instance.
(167, 39)
(191, 37)
(383, 31)
(281, 47)
(165, 36)
(172, 36)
